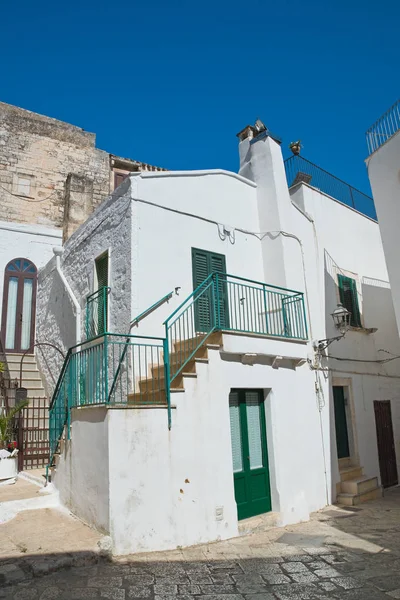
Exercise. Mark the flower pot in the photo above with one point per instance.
(8, 468)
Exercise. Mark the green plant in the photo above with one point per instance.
(2, 367)
(6, 421)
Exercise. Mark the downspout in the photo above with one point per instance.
(58, 252)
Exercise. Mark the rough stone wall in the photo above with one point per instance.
(45, 151)
(107, 229)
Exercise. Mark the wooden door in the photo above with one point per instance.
(249, 453)
(19, 305)
(342, 434)
(385, 439)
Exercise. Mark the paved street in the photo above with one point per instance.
(341, 553)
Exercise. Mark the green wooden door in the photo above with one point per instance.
(203, 264)
(249, 453)
(342, 436)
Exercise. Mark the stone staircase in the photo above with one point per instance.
(355, 487)
(31, 378)
(152, 389)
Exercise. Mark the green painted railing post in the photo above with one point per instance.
(217, 302)
(265, 308)
(167, 375)
(304, 318)
(105, 360)
(69, 398)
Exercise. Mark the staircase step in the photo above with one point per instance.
(15, 358)
(351, 473)
(354, 499)
(189, 368)
(147, 399)
(359, 486)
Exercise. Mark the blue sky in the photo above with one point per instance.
(171, 83)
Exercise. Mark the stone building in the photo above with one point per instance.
(51, 172)
(52, 177)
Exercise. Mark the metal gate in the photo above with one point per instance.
(386, 447)
(33, 435)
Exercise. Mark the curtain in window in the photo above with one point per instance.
(237, 454)
(11, 313)
(254, 429)
(26, 314)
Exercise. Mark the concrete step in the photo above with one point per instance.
(359, 486)
(189, 368)
(15, 359)
(258, 523)
(32, 384)
(351, 473)
(354, 499)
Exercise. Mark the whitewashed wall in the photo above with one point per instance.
(337, 239)
(34, 242)
(82, 474)
(107, 229)
(383, 171)
(162, 240)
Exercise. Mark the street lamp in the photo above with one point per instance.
(341, 319)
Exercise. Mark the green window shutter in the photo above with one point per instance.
(102, 271)
(349, 298)
(200, 267)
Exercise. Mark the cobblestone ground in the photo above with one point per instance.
(341, 553)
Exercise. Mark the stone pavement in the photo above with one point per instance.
(347, 553)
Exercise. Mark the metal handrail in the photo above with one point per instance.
(154, 307)
(384, 128)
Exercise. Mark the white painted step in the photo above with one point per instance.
(359, 486)
(15, 359)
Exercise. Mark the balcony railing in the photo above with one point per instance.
(122, 369)
(96, 313)
(384, 128)
(299, 169)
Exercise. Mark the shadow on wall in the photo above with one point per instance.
(54, 308)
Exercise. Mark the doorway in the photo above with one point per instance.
(342, 432)
(385, 439)
(19, 305)
(249, 452)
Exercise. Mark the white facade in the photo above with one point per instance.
(383, 171)
(164, 488)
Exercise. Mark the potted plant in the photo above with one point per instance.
(295, 147)
(8, 460)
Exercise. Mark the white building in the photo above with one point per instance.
(383, 140)
(240, 420)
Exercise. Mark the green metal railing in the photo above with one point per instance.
(96, 313)
(111, 369)
(254, 307)
(130, 369)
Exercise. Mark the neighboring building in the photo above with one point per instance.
(231, 405)
(52, 177)
(383, 139)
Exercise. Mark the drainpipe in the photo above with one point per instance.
(58, 252)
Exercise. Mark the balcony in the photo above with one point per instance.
(384, 128)
(299, 169)
(125, 369)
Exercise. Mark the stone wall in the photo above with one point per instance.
(51, 173)
(107, 230)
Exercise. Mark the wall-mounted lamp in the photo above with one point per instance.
(341, 319)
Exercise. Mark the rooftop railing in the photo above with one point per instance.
(299, 169)
(384, 128)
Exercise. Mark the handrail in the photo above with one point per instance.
(154, 307)
(98, 292)
(275, 287)
(188, 298)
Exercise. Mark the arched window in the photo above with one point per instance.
(19, 304)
